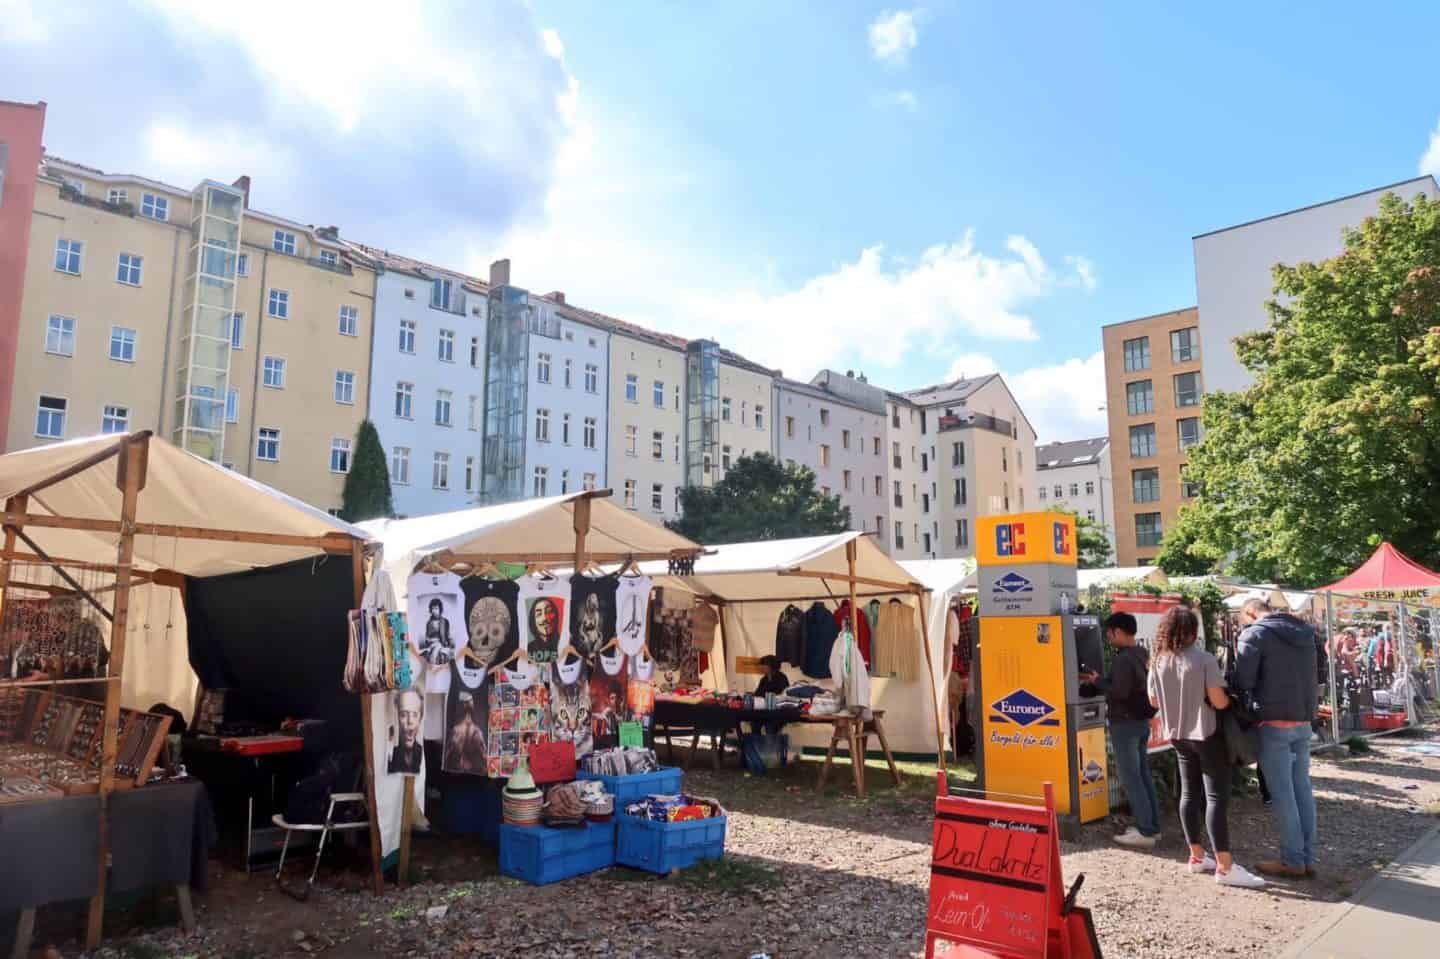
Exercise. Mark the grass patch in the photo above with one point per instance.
(730, 875)
(1359, 746)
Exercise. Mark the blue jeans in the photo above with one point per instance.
(1130, 738)
(1285, 760)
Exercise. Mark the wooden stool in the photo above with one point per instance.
(856, 735)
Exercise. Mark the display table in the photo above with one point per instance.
(160, 835)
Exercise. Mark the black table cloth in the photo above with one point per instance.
(712, 717)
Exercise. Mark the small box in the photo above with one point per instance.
(664, 781)
(662, 846)
(541, 855)
(1375, 721)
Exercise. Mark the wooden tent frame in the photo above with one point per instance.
(132, 453)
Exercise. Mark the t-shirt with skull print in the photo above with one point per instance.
(492, 626)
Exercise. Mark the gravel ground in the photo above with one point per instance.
(805, 875)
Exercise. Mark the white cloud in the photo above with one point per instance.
(893, 35)
(1084, 272)
(1430, 162)
(902, 99)
(969, 365)
(1064, 401)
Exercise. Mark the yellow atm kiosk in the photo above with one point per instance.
(1033, 645)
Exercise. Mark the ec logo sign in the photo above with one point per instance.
(1063, 544)
(1010, 539)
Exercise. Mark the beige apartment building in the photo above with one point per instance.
(1154, 390)
(241, 335)
(747, 408)
(646, 425)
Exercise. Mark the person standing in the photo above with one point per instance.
(1185, 686)
(1277, 666)
(1128, 705)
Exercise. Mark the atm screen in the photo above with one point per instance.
(1089, 645)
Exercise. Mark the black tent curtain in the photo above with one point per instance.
(275, 639)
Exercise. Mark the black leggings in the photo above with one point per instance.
(1205, 761)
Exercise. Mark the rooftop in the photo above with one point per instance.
(1070, 453)
(1339, 199)
(953, 392)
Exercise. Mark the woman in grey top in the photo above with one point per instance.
(1185, 686)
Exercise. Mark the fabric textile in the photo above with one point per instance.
(632, 599)
(1285, 760)
(519, 717)
(467, 720)
(1178, 682)
(492, 624)
(847, 667)
(544, 617)
(436, 618)
(1204, 791)
(609, 681)
(896, 642)
(592, 612)
(820, 634)
(1125, 689)
(842, 622)
(790, 636)
(1131, 738)
(1279, 665)
(703, 621)
(872, 613)
(570, 704)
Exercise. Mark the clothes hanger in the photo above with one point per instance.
(539, 570)
(630, 568)
(485, 570)
(514, 657)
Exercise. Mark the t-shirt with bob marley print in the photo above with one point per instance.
(545, 608)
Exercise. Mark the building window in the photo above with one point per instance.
(1137, 354)
(957, 454)
(879, 486)
(274, 376)
(824, 417)
(632, 388)
(724, 459)
(566, 372)
(235, 330)
(475, 351)
(279, 304)
(440, 471)
(400, 466)
(407, 336)
(587, 481)
(1187, 389)
(790, 427)
(1190, 432)
(117, 195)
(657, 498)
(876, 443)
(1139, 398)
(541, 481)
(632, 440)
(349, 321)
(759, 416)
(1043, 494)
(440, 293)
(592, 378)
(67, 256)
(267, 444)
(629, 494)
(962, 493)
(232, 406)
(446, 346)
(339, 456)
(845, 439)
(744, 411)
(1059, 492)
(1075, 489)
(404, 400)
(442, 407)
(1145, 485)
(329, 258)
(283, 242)
(725, 409)
(1142, 441)
(1185, 345)
(155, 207)
(657, 445)
(469, 474)
(242, 264)
(542, 425)
(899, 535)
(50, 417)
(115, 419)
(1089, 487)
(127, 269)
(589, 432)
(824, 455)
(924, 462)
(1188, 488)
(472, 412)
(1148, 531)
(542, 367)
(657, 394)
(899, 497)
(845, 480)
(345, 387)
(1090, 515)
(924, 502)
(565, 428)
(60, 335)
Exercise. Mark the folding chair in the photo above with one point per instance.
(324, 829)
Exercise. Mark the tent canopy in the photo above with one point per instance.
(1111, 575)
(1386, 569)
(181, 490)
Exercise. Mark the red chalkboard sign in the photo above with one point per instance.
(992, 878)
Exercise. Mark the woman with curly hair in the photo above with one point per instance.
(1185, 686)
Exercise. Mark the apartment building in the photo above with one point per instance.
(836, 425)
(646, 439)
(1233, 267)
(1153, 390)
(747, 409)
(241, 335)
(1075, 475)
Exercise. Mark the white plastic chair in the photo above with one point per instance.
(324, 829)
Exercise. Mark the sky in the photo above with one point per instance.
(915, 192)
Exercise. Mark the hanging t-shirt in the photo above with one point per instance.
(632, 599)
(820, 633)
(492, 627)
(592, 612)
(608, 700)
(545, 611)
(790, 636)
(467, 718)
(703, 620)
(570, 703)
(437, 624)
(519, 717)
(640, 694)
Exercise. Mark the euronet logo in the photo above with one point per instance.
(1013, 583)
(1023, 709)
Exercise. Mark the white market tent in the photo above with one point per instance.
(1109, 576)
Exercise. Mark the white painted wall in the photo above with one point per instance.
(1232, 270)
(1093, 496)
(567, 463)
(649, 363)
(802, 433)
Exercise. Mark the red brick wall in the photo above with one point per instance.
(22, 127)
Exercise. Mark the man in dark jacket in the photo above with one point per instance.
(1129, 709)
(1276, 667)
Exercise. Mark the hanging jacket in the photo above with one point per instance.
(820, 633)
(842, 622)
(1278, 665)
(790, 636)
(897, 642)
(872, 613)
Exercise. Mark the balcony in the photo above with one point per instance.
(980, 421)
(124, 208)
(339, 266)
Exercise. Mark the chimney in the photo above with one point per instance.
(850, 374)
(243, 184)
(328, 232)
(557, 295)
(863, 379)
(500, 273)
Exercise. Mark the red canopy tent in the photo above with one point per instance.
(1387, 574)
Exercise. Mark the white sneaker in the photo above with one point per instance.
(1132, 838)
(1203, 866)
(1239, 877)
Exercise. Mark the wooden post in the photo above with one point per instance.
(724, 645)
(15, 504)
(923, 600)
(130, 478)
(582, 527)
(407, 820)
(857, 748)
(377, 878)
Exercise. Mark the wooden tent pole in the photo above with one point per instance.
(857, 740)
(15, 504)
(582, 527)
(923, 599)
(130, 478)
(377, 878)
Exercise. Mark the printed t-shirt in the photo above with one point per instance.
(608, 699)
(467, 718)
(632, 598)
(519, 717)
(570, 703)
(545, 617)
(437, 624)
(492, 626)
(592, 612)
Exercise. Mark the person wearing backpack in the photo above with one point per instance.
(1128, 706)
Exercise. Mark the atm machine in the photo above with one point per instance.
(1035, 724)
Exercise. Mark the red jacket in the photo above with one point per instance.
(842, 619)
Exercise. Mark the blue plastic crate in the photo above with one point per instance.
(541, 855)
(664, 781)
(470, 806)
(662, 846)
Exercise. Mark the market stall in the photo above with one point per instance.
(84, 523)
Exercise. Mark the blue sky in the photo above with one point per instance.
(911, 191)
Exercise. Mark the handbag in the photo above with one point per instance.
(1242, 740)
(763, 752)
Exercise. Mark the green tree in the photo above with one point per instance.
(1337, 444)
(1182, 554)
(367, 485)
(759, 498)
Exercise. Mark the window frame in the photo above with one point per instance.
(1141, 359)
(1190, 352)
(1147, 394)
(63, 413)
(106, 417)
(351, 313)
(73, 250)
(1140, 430)
(277, 297)
(1195, 394)
(404, 398)
(117, 335)
(343, 385)
(283, 241)
(260, 438)
(337, 447)
(155, 206)
(61, 333)
(408, 331)
(132, 264)
(400, 457)
(265, 371)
